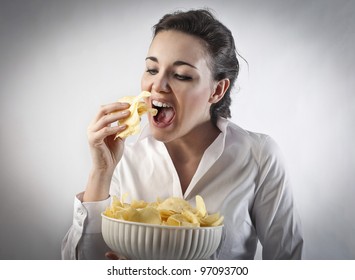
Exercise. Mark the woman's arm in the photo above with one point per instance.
(84, 239)
(274, 214)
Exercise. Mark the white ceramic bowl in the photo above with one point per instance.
(155, 242)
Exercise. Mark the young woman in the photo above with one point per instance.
(190, 148)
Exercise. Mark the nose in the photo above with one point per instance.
(161, 83)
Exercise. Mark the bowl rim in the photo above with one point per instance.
(159, 226)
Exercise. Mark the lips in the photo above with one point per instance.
(166, 113)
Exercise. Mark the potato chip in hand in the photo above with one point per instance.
(137, 109)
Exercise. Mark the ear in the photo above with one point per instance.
(220, 89)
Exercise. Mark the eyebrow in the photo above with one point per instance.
(176, 63)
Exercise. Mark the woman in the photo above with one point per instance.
(190, 148)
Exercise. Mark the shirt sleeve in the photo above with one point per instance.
(84, 239)
(274, 215)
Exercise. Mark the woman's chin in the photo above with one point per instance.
(162, 134)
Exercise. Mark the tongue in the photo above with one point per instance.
(165, 115)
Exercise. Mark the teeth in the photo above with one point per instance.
(160, 104)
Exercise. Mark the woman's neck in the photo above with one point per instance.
(193, 144)
(186, 152)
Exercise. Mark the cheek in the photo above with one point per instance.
(196, 101)
(200, 96)
(145, 83)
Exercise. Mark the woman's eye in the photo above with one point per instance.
(182, 77)
(152, 71)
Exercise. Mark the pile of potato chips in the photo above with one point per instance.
(173, 211)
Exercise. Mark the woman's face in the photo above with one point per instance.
(181, 84)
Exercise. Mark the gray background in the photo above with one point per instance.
(60, 60)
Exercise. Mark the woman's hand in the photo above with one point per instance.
(106, 152)
(114, 256)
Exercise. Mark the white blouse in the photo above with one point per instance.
(241, 175)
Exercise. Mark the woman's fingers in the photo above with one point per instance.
(100, 127)
(97, 138)
(114, 256)
(105, 151)
(107, 120)
(107, 114)
(109, 109)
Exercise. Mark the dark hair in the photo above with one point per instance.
(219, 44)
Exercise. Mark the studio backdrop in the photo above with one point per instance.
(61, 60)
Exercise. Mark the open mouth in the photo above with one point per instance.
(165, 115)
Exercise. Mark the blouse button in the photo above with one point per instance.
(80, 211)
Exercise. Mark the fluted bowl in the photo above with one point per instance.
(156, 242)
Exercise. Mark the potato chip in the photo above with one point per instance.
(165, 214)
(176, 219)
(173, 211)
(171, 221)
(218, 222)
(182, 221)
(174, 204)
(148, 215)
(210, 220)
(190, 217)
(200, 206)
(130, 214)
(139, 204)
(137, 108)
